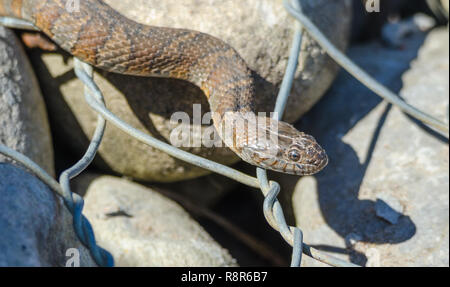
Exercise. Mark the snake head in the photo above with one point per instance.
(285, 149)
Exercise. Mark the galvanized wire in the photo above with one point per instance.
(273, 211)
(360, 74)
(82, 226)
(272, 208)
(16, 23)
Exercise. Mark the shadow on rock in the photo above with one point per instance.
(338, 186)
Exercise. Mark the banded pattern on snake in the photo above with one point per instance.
(102, 37)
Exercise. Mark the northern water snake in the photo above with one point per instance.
(102, 37)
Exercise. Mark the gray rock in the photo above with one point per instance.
(445, 4)
(140, 227)
(376, 151)
(36, 228)
(260, 30)
(23, 117)
(204, 191)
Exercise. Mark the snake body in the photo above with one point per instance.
(102, 37)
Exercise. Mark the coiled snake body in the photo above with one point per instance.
(100, 36)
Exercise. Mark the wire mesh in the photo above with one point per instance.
(273, 211)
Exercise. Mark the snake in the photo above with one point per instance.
(100, 36)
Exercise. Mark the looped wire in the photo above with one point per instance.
(278, 218)
(272, 208)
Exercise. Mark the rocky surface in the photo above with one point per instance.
(445, 4)
(261, 31)
(36, 228)
(378, 153)
(388, 207)
(205, 191)
(140, 227)
(23, 118)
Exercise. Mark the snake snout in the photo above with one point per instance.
(314, 157)
(321, 159)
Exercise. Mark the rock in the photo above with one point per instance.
(23, 118)
(445, 5)
(143, 228)
(35, 225)
(376, 151)
(204, 191)
(260, 30)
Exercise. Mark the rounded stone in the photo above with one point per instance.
(445, 4)
(140, 227)
(36, 226)
(23, 117)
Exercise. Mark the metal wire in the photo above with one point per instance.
(82, 226)
(360, 74)
(16, 23)
(274, 220)
(273, 211)
(271, 204)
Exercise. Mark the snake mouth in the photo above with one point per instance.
(314, 166)
(308, 169)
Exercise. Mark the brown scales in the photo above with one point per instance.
(100, 36)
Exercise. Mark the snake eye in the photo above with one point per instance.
(294, 155)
